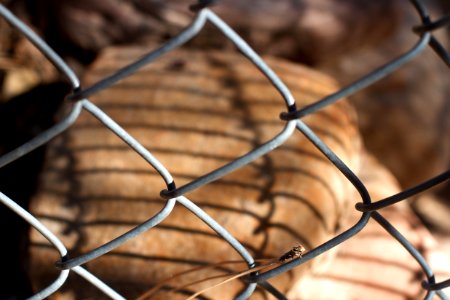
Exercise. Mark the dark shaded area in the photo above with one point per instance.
(21, 119)
(79, 29)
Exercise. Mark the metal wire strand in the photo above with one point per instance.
(62, 66)
(362, 83)
(440, 51)
(411, 249)
(247, 51)
(45, 49)
(105, 248)
(174, 196)
(59, 246)
(226, 236)
(404, 194)
(430, 26)
(235, 164)
(187, 34)
(129, 140)
(42, 138)
(339, 238)
(436, 286)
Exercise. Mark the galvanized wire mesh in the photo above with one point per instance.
(175, 195)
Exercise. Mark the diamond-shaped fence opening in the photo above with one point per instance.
(175, 196)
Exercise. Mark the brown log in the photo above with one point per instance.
(195, 111)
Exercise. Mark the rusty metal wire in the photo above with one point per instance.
(175, 195)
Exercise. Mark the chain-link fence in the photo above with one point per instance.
(175, 195)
